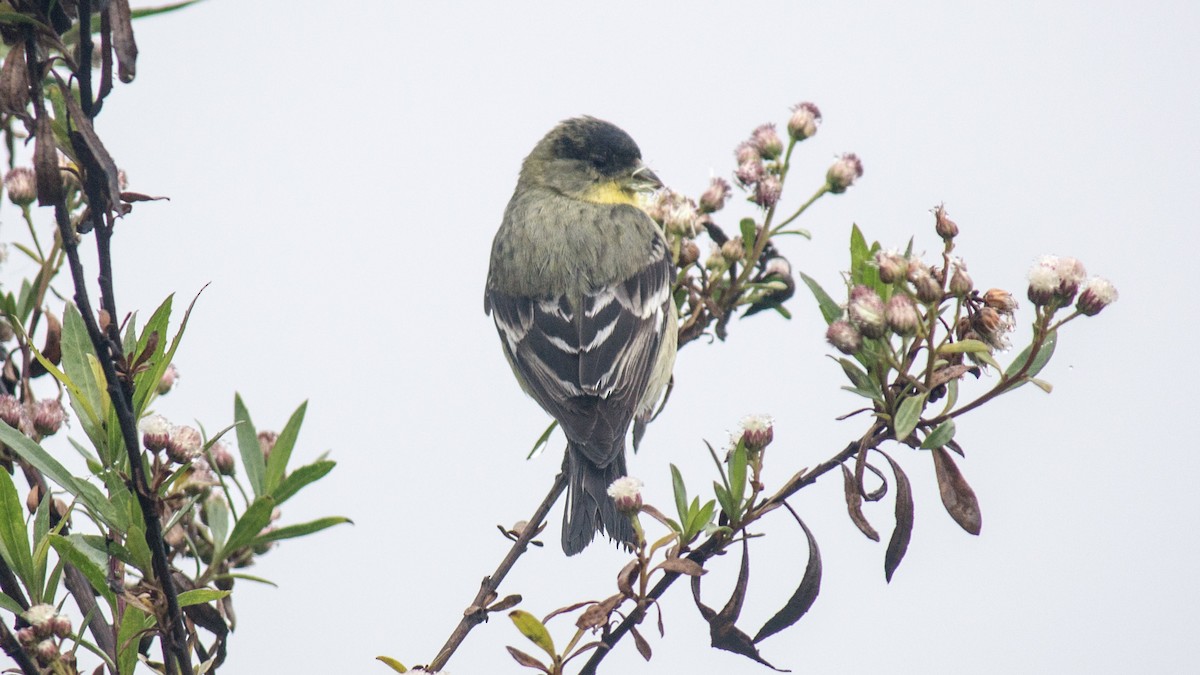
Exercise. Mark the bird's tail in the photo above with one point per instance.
(589, 508)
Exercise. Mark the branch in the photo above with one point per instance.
(85, 598)
(476, 613)
(715, 543)
(8, 642)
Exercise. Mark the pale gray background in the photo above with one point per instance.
(337, 171)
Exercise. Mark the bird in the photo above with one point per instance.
(579, 287)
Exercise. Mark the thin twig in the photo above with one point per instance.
(85, 598)
(477, 611)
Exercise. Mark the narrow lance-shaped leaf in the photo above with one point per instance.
(533, 629)
(908, 415)
(957, 495)
(898, 544)
(854, 505)
(14, 542)
(830, 309)
(940, 436)
(804, 595)
(300, 530)
(89, 561)
(248, 447)
(1039, 361)
(252, 522)
(301, 477)
(281, 452)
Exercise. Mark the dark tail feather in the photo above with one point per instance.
(589, 508)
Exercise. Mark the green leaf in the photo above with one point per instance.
(964, 346)
(248, 447)
(88, 396)
(864, 384)
(132, 624)
(135, 543)
(830, 310)
(749, 230)
(1041, 384)
(92, 563)
(987, 358)
(301, 477)
(250, 524)
(908, 415)
(14, 542)
(10, 604)
(281, 452)
(859, 254)
(723, 498)
(301, 530)
(392, 663)
(200, 596)
(216, 513)
(542, 440)
(680, 493)
(52, 469)
(940, 436)
(1039, 361)
(533, 629)
(737, 479)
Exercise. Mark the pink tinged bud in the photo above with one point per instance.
(750, 172)
(41, 620)
(184, 445)
(866, 312)
(803, 123)
(902, 315)
(170, 376)
(1098, 294)
(223, 459)
(714, 197)
(766, 193)
(266, 441)
(21, 184)
(746, 152)
(10, 410)
(26, 636)
(767, 142)
(688, 253)
(892, 266)
(48, 417)
(626, 492)
(46, 652)
(156, 432)
(733, 250)
(681, 219)
(757, 431)
(1043, 280)
(844, 337)
(1071, 275)
(61, 626)
(843, 173)
(1000, 300)
(947, 229)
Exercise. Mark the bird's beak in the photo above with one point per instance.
(644, 180)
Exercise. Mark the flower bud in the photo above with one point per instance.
(26, 636)
(223, 459)
(6, 330)
(960, 282)
(767, 191)
(688, 253)
(749, 173)
(184, 445)
(199, 478)
(947, 229)
(10, 410)
(866, 312)
(716, 261)
(41, 618)
(1098, 294)
(902, 315)
(169, 376)
(733, 250)
(681, 218)
(48, 416)
(766, 141)
(626, 492)
(21, 184)
(714, 197)
(992, 327)
(46, 652)
(746, 152)
(804, 121)
(156, 432)
(1071, 274)
(929, 291)
(1043, 280)
(61, 626)
(892, 266)
(1000, 300)
(843, 173)
(844, 337)
(266, 441)
(757, 432)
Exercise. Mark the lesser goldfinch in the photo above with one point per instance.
(580, 290)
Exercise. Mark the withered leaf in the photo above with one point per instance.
(45, 163)
(804, 596)
(957, 495)
(854, 505)
(123, 42)
(139, 197)
(898, 544)
(723, 632)
(625, 578)
(682, 566)
(506, 603)
(643, 647)
(943, 375)
(90, 150)
(597, 615)
(526, 660)
(14, 82)
(563, 610)
(879, 492)
(52, 349)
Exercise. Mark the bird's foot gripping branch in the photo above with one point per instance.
(918, 342)
(137, 529)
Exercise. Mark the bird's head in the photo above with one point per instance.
(589, 159)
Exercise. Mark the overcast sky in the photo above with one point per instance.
(337, 171)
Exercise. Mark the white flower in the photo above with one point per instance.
(626, 491)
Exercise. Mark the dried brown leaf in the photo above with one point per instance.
(45, 163)
(957, 495)
(122, 39)
(943, 375)
(804, 596)
(526, 660)
(14, 82)
(682, 566)
(508, 602)
(626, 577)
(854, 505)
(52, 349)
(898, 544)
(643, 647)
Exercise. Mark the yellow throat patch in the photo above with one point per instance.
(611, 192)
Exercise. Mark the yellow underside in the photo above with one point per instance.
(611, 193)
